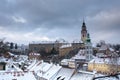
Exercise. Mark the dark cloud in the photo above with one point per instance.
(64, 15)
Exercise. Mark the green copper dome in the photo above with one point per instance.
(88, 40)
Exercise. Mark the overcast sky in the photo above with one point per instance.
(24, 21)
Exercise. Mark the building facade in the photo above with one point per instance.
(65, 49)
(46, 46)
(104, 66)
(88, 48)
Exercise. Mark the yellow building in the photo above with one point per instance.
(65, 49)
(78, 45)
(102, 65)
(71, 63)
(45, 46)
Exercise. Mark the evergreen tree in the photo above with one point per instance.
(16, 47)
(53, 51)
(11, 45)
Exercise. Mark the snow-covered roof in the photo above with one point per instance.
(17, 69)
(17, 76)
(77, 41)
(100, 60)
(42, 42)
(103, 47)
(65, 60)
(71, 60)
(111, 49)
(100, 55)
(44, 67)
(106, 78)
(65, 73)
(23, 56)
(66, 46)
(32, 65)
(2, 59)
(51, 72)
(106, 60)
(86, 72)
(85, 65)
(82, 76)
(11, 54)
(33, 68)
(36, 54)
(39, 66)
(49, 42)
(80, 55)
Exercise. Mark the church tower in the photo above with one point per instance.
(88, 48)
(85, 38)
(83, 32)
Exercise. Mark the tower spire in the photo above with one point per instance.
(83, 20)
(83, 32)
(84, 25)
